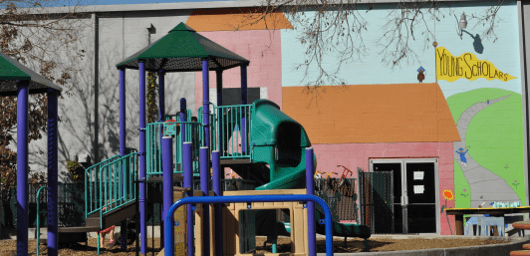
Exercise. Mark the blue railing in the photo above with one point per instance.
(169, 238)
(91, 185)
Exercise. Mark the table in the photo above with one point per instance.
(496, 212)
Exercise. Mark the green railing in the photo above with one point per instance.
(154, 134)
(91, 185)
(188, 116)
(213, 138)
(118, 183)
(234, 124)
(39, 212)
(113, 185)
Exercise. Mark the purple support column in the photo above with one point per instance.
(161, 114)
(167, 170)
(123, 150)
(53, 217)
(22, 167)
(188, 183)
(244, 127)
(205, 208)
(122, 112)
(216, 184)
(143, 224)
(205, 102)
(310, 184)
(220, 116)
(183, 118)
(219, 77)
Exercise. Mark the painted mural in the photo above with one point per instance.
(466, 110)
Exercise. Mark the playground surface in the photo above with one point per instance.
(8, 247)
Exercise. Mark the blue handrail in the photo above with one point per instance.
(169, 242)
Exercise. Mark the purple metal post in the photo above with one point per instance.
(122, 112)
(243, 101)
(22, 167)
(219, 77)
(205, 208)
(167, 170)
(143, 227)
(216, 185)
(188, 183)
(161, 114)
(310, 184)
(205, 102)
(53, 217)
(183, 118)
(122, 148)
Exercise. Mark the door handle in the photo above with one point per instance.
(404, 200)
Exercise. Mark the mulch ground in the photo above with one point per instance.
(8, 247)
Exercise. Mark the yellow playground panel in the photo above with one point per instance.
(298, 217)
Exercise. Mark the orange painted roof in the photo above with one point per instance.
(229, 19)
(372, 113)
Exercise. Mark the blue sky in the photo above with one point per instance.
(111, 2)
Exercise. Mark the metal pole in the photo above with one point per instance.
(183, 119)
(123, 151)
(53, 217)
(205, 102)
(188, 183)
(167, 169)
(205, 209)
(216, 185)
(22, 167)
(220, 115)
(249, 199)
(161, 115)
(143, 224)
(243, 102)
(310, 184)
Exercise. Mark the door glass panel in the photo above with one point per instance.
(421, 194)
(383, 215)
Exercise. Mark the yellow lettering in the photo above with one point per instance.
(452, 68)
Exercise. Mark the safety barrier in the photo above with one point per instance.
(169, 236)
(91, 185)
(233, 124)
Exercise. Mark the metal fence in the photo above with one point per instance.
(339, 194)
(377, 201)
(70, 208)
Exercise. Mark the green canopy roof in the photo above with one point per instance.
(11, 71)
(183, 49)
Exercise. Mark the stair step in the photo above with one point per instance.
(520, 253)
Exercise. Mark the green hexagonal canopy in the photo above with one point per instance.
(181, 50)
(12, 71)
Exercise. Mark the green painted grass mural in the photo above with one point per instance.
(462, 188)
(494, 138)
(458, 103)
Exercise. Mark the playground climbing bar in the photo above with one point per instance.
(170, 246)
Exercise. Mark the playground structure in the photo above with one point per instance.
(257, 141)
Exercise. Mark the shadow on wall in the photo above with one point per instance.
(477, 42)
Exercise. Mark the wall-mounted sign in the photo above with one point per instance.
(418, 175)
(418, 189)
(467, 65)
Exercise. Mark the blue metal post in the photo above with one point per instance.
(243, 101)
(167, 170)
(310, 184)
(205, 102)
(188, 183)
(143, 224)
(122, 112)
(170, 247)
(216, 186)
(53, 217)
(22, 167)
(205, 208)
